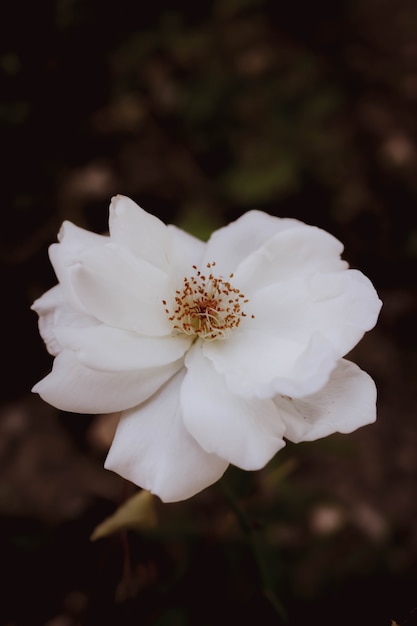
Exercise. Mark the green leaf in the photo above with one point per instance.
(137, 513)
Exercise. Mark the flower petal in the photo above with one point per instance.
(122, 291)
(112, 349)
(152, 449)
(339, 306)
(295, 328)
(73, 387)
(186, 251)
(143, 234)
(229, 245)
(257, 363)
(245, 431)
(346, 403)
(74, 241)
(294, 253)
(55, 312)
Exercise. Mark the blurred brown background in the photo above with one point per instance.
(199, 113)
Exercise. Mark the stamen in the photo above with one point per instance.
(208, 307)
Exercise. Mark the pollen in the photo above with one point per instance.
(206, 305)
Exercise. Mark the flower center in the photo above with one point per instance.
(207, 306)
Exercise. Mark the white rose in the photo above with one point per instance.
(214, 352)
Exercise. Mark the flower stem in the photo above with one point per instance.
(256, 543)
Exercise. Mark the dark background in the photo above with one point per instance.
(301, 109)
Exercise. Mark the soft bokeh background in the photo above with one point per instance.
(302, 109)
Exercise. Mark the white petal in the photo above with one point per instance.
(296, 328)
(46, 307)
(186, 251)
(73, 387)
(74, 242)
(347, 402)
(112, 349)
(287, 255)
(257, 363)
(55, 312)
(152, 449)
(122, 291)
(143, 234)
(245, 431)
(345, 306)
(339, 306)
(228, 246)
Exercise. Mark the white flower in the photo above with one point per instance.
(214, 352)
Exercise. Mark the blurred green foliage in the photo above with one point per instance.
(200, 112)
(297, 109)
